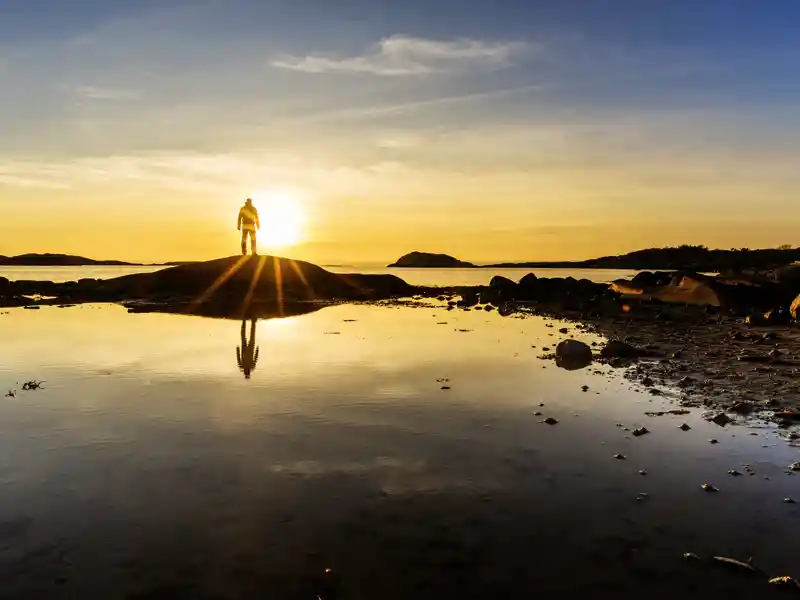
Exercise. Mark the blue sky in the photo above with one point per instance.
(659, 122)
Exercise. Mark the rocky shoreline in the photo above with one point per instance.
(731, 348)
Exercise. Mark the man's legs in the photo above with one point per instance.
(253, 242)
(244, 241)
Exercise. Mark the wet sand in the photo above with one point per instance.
(147, 467)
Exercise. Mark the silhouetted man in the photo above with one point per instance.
(247, 353)
(248, 223)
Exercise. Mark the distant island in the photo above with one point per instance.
(427, 260)
(58, 260)
(686, 257)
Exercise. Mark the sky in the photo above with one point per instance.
(491, 130)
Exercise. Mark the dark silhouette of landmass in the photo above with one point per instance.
(234, 286)
(686, 257)
(432, 261)
(58, 260)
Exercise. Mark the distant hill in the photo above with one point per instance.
(57, 260)
(691, 258)
(430, 261)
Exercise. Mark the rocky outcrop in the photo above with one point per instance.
(795, 308)
(426, 260)
(738, 294)
(224, 283)
(56, 260)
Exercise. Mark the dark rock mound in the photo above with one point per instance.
(56, 260)
(618, 349)
(428, 260)
(573, 355)
(498, 281)
(690, 288)
(225, 283)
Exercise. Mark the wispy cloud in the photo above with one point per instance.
(366, 112)
(97, 93)
(401, 55)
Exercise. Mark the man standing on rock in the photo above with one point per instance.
(248, 223)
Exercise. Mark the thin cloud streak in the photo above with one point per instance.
(391, 109)
(97, 93)
(401, 55)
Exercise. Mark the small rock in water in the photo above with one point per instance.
(794, 466)
(642, 471)
(640, 431)
(713, 441)
(620, 456)
(709, 488)
(642, 496)
(720, 419)
(550, 421)
(789, 500)
(735, 473)
(537, 414)
(585, 388)
(684, 427)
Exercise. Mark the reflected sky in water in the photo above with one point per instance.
(182, 455)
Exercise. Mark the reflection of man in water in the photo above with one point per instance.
(247, 223)
(247, 354)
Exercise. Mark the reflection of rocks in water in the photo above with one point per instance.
(226, 310)
(572, 364)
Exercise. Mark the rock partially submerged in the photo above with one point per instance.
(573, 355)
(223, 284)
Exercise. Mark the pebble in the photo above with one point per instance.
(709, 488)
(642, 471)
(684, 427)
(713, 441)
(794, 466)
(550, 421)
(735, 473)
(640, 431)
(789, 500)
(620, 456)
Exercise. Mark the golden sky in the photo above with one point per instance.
(137, 134)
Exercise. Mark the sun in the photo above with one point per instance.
(282, 218)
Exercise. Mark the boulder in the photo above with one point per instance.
(528, 280)
(4, 284)
(795, 309)
(618, 349)
(498, 281)
(572, 354)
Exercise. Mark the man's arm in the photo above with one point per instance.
(239, 221)
(258, 222)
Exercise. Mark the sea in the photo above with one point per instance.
(365, 451)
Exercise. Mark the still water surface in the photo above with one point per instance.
(318, 456)
(429, 277)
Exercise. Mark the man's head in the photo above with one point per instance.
(249, 202)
